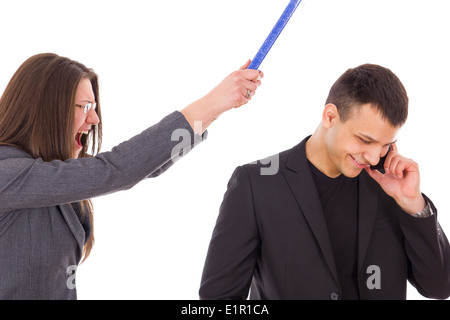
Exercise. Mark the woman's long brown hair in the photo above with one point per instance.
(37, 113)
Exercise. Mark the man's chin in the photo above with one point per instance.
(352, 173)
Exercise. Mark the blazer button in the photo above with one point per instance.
(334, 296)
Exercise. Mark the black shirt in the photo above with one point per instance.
(339, 199)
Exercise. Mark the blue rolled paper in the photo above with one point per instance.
(273, 36)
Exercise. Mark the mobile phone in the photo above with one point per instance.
(380, 165)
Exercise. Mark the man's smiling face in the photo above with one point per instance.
(359, 141)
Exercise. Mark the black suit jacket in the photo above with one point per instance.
(271, 235)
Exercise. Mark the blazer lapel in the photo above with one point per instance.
(74, 224)
(368, 196)
(301, 182)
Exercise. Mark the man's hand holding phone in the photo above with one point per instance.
(401, 181)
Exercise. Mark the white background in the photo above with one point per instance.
(154, 57)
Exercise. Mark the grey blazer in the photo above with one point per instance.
(41, 236)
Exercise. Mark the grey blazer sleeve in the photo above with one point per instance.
(26, 182)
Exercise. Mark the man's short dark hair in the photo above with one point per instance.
(373, 84)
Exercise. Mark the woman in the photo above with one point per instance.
(50, 118)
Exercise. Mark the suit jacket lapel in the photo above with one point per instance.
(368, 198)
(301, 182)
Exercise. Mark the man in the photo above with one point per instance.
(325, 225)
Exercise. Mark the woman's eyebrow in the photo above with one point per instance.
(86, 101)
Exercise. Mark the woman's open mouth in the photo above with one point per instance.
(78, 138)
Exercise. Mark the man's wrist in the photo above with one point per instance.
(425, 212)
(412, 206)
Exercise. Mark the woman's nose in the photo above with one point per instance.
(92, 117)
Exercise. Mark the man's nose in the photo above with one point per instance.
(373, 155)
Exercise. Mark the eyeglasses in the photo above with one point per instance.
(87, 107)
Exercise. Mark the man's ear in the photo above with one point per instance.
(330, 115)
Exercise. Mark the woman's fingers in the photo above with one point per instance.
(245, 66)
(252, 75)
(237, 89)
